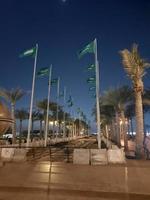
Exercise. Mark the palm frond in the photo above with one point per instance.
(12, 95)
(133, 64)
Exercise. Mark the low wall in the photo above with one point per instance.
(98, 156)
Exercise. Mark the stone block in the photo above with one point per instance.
(7, 154)
(20, 155)
(116, 156)
(99, 157)
(81, 156)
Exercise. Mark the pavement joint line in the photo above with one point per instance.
(92, 194)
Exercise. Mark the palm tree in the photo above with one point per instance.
(107, 114)
(40, 117)
(118, 98)
(21, 115)
(42, 105)
(12, 96)
(130, 110)
(135, 67)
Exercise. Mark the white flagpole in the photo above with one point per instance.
(79, 115)
(32, 96)
(73, 131)
(97, 97)
(70, 131)
(58, 88)
(48, 99)
(64, 129)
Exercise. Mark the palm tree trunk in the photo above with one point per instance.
(20, 134)
(32, 125)
(131, 123)
(14, 123)
(59, 127)
(124, 130)
(139, 123)
(54, 128)
(144, 124)
(41, 128)
(106, 131)
(117, 128)
(128, 126)
(113, 131)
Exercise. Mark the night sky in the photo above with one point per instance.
(62, 28)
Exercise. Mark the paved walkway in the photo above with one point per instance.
(62, 181)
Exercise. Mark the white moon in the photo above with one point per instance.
(64, 1)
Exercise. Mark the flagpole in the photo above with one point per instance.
(79, 122)
(32, 96)
(64, 129)
(73, 131)
(48, 99)
(70, 131)
(97, 96)
(58, 88)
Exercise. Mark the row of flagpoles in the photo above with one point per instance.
(90, 48)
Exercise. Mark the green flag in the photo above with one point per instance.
(90, 48)
(54, 81)
(91, 67)
(29, 52)
(43, 72)
(91, 80)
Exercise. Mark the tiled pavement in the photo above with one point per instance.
(62, 181)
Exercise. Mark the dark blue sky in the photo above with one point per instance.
(61, 29)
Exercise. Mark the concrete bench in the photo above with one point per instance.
(7, 154)
(20, 155)
(99, 157)
(81, 156)
(116, 156)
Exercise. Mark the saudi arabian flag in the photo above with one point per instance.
(90, 48)
(43, 72)
(91, 80)
(29, 52)
(54, 81)
(91, 67)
